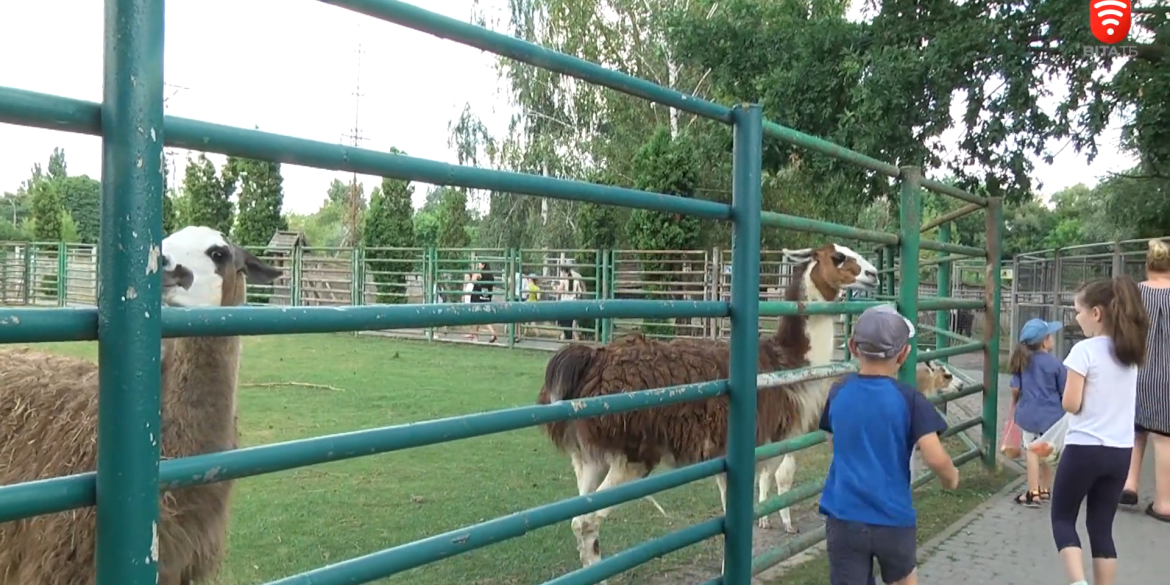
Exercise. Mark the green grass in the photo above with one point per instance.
(293, 521)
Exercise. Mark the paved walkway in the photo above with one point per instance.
(1007, 544)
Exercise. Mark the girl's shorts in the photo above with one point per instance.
(1027, 438)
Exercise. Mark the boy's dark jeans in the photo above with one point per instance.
(854, 545)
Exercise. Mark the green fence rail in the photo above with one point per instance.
(129, 474)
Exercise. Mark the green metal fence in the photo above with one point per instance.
(343, 276)
(133, 129)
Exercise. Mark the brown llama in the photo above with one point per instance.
(48, 423)
(613, 449)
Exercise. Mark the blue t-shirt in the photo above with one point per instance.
(875, 422)
(1041, 387)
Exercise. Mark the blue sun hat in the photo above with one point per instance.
(1035, 330)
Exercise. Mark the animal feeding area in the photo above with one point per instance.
(129, 322)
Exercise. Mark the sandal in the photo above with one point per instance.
(1155, 515)
(1030, 498)
(1045, 495)
(1128, 498)
(492, 340)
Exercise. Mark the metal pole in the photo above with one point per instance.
(1014, 320)
(129, 325)
(745, 310)
(910, 224)
(941, 319)
(991, 331)
(1057, 310)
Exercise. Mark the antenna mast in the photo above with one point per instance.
(355, 139)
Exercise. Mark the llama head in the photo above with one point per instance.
(832, 268)
(201, 268)
(933, 378)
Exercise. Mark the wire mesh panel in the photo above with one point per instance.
(558, 275)
(326, 277)
(1046, 281)
(13, 274)
(81, 275)
(661, 275)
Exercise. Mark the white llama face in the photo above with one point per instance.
(201, 268)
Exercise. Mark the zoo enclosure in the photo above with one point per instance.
(1044, 281)
(66, 275)
(133, 129)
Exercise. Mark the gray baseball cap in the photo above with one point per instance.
(880, 332)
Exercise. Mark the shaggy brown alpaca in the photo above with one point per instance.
(48, 421)
(612, 449)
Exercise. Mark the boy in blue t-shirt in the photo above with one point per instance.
(874, 422)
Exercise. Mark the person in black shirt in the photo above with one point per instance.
(481, 292)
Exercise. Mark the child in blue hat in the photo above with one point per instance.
(1037, 388)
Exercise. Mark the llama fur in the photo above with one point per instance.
(612, 449)
(48, 428)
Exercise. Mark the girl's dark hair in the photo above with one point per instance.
(1021, 355)
(1123, 316)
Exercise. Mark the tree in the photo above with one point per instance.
(664, 165)
(207, 196)
(668, 166)
(57, 166)
(389, 223)
(82, 198)
(563, 128)
(453, 219)
(341, 196)
(260, 200)
(1140, 202)
(884, 86)
(47, 211)
(170, 219)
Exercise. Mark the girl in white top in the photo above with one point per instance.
(1100, 393)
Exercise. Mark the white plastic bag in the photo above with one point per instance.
(1050, 445)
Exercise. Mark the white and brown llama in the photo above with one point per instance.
(613, 449)
(48, 424)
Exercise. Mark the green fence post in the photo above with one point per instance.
(131, 324)
(294, 285)
(29, 275)
(358, 290)
(515, 271)
(598, 288)
(910, 224)
(62, 274)
(944, 290)
(610, 285)
(429, 283)
(848, 324)
(991, 331)
(4, 274)
(941, 319)
(745, 309)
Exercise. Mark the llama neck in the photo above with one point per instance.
(821, 328)
(200, 375)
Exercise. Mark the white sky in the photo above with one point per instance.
(290, 66)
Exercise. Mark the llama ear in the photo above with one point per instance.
(798, 256)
